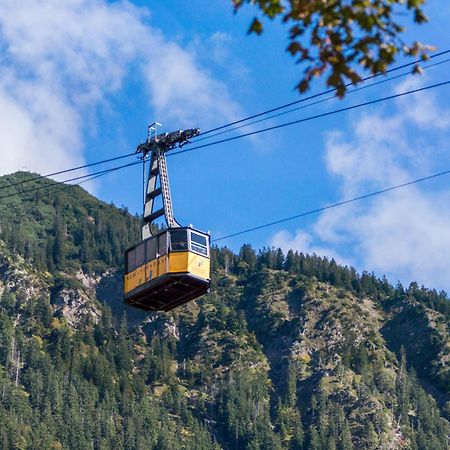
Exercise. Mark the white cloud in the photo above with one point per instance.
(407, 234)
(404, 234)
(181, 91)
(61, 61)
(420, 108)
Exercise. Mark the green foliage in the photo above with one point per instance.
(77, 393)
(342, 40)
(63, 227)
(286, 352)
(243, 407)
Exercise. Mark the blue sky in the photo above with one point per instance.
(82, 79)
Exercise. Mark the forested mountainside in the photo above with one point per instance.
(286, 352)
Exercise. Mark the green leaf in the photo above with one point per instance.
(256, 27)
(294, 48)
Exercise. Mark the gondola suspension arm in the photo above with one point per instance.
(155, 148)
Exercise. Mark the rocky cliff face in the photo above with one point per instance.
(16, 275)
(73, 297)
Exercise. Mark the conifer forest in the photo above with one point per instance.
(287, 351)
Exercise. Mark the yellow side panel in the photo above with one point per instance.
(151, 270)
(145, 273)
(199, 265)
(163, 265)
(179, 262)
(135, 279)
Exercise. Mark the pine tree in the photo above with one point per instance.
(298, 434)
(314, 441)
(291, 385)
(371, 436)
(59, 248)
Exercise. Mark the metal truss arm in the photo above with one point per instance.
(157, 146)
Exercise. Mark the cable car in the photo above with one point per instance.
(170, 267)
(167, 270)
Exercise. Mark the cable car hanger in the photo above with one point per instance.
(157, 146)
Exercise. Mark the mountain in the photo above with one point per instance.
(286, 351)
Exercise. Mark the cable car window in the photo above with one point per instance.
(199, 239)
(178, 240)
(131, 261)
(140, 255)
(162, 244)
(199, 244)
(151, 249)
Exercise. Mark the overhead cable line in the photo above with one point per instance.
(328, 91)
(316, 116)
(90, 176)
(84, 166)
(93, 177)
(334, 205)
(104, 161)
(333, 97)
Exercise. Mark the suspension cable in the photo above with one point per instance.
(84, 166)
(298, 108)
(328, 91)
(333, 205)
(93, 175)
(316, 116)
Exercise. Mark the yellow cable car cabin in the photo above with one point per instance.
(167, 270)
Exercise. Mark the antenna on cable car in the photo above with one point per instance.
(155, 148)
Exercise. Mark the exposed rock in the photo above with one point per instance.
(75, 305)
(162, 325)
(17, 276)
(89, 281)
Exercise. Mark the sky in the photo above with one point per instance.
(81, 80)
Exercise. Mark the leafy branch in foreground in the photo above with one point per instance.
(342, 39)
